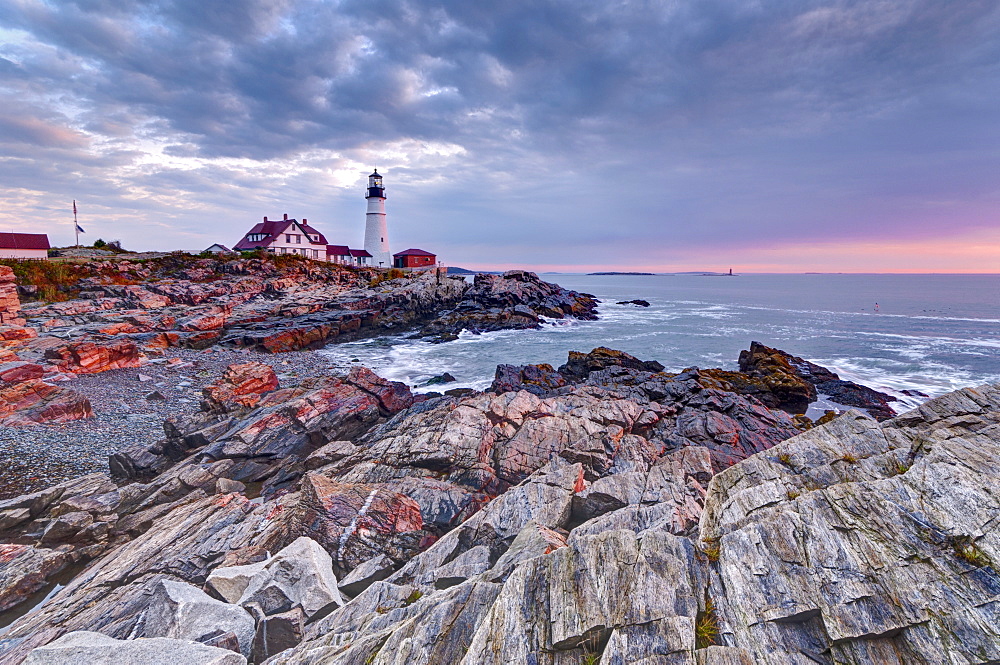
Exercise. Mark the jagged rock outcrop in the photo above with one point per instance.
(34, 401)
(285, 428)
(536, 379)
(94, 357)
(516, 299)
(241, 385)
(286, 305)
(580, 365)
(24, 569)
(892, 551)
(849, 543)
(10, 304)
(781, 380)
(630, 515)
(125, 310)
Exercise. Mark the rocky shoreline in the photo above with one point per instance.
(603, 511)
(41, 454)
(136, 341)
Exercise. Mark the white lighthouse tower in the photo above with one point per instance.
(376, 232)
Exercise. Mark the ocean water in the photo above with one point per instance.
(930, 333)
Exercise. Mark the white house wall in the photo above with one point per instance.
(23, 253)
(280, 245)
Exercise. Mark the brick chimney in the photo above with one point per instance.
(286, 216)
(305, 221)
(265, 218)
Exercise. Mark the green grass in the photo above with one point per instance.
(711, 548)
(967, 551)
(706, 628)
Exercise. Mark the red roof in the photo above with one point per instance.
(273, 228)
(413, 252)
(360, 252)
(24, 241)
(337, 250)
(313, 232)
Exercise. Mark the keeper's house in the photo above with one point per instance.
(413, 258)
(287, 236)
(290, 236)
(24, 246)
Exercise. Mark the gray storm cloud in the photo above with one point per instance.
(550, 132)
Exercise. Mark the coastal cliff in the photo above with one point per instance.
(602, 512)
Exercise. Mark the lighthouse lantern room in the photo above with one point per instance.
(376, 231)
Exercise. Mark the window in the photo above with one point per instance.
(288, 237)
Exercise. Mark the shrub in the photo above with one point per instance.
(391, 273)
(967, 551)
(706, 628)
(56, 280)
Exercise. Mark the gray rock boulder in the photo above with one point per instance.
(229, 582)
(181, 611)
(371, 571)
(300, 575)
(83, 647)
(278, 632)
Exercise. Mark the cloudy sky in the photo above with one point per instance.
(767, 135)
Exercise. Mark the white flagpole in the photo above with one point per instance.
(76, 227)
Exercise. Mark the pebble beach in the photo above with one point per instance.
(43, 455)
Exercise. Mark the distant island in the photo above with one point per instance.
(452, 270)
(621, 273)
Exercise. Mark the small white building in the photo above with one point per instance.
(24, 246)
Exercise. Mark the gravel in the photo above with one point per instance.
(32, 458)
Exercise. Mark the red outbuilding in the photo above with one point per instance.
(413, 258)
(24, 246)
